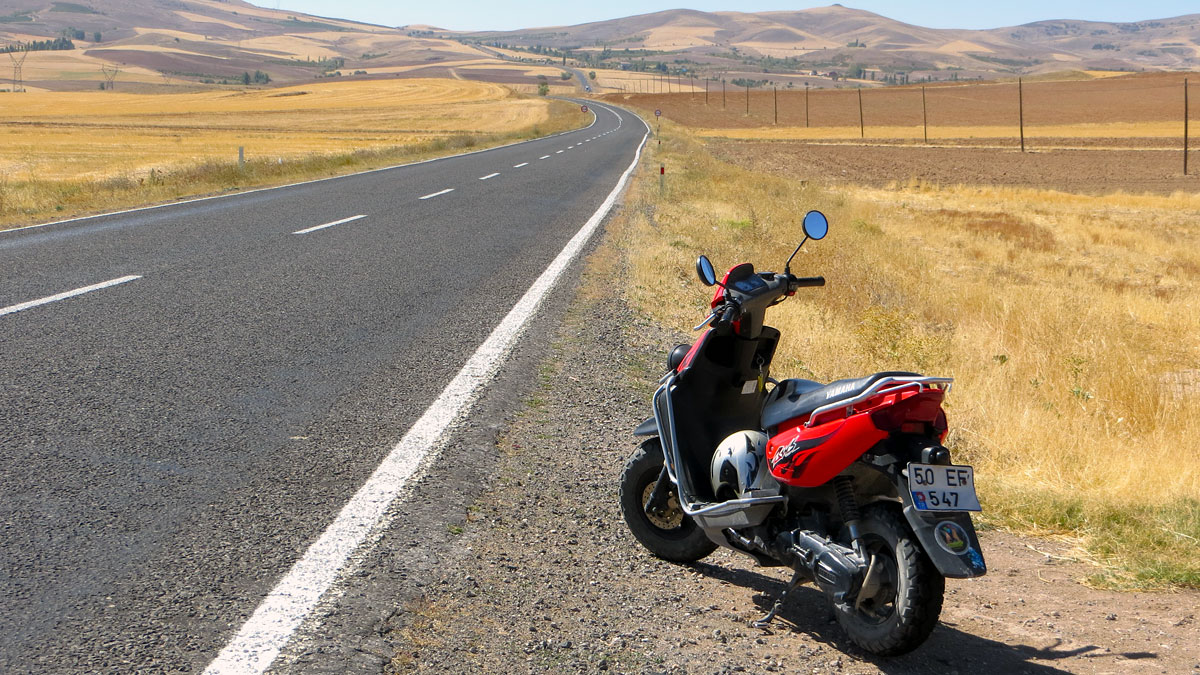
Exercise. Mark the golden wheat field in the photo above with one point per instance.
(1070, 323)
(70, 153)
(68, 135)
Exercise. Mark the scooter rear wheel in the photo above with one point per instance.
(902, 607)
(672, 536)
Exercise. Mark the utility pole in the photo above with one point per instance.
(110, 75)
(722, 93)
(776, 104)
(1185, 126)
(747, 99)
(18, 62)
(806, 105)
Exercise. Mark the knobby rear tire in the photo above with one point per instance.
(682, 543)
(898, 620)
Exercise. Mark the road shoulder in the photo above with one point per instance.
(529, 567)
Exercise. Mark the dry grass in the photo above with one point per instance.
(76, 152)
(1071, 325)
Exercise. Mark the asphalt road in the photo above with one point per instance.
(171, 443)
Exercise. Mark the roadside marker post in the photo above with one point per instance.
(662, 177)
(241, 158)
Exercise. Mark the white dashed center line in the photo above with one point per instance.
(558, 152)
(517, 166)
(490, 175)
(321, 227)
(68, 294)
(544, 157)
(437, 194)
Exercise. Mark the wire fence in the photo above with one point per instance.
(1142, 111)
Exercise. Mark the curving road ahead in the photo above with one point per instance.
(189, 394)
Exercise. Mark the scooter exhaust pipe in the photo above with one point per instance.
(831, 566)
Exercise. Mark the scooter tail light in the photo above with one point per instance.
(922, 409)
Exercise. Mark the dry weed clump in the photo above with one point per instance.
(1067, 322)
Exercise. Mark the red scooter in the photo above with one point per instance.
(847, 483)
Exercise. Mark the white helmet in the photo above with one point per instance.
(739, 466)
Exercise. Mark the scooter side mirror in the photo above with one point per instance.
(705, 271)
(816, 225)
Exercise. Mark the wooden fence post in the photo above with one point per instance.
(1021, 111)
(924, 116)
(862, 129)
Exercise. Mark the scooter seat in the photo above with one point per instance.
(795, 398)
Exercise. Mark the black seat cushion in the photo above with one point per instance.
(797, 398)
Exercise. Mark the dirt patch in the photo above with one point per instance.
(548, 579)
(1086, 171)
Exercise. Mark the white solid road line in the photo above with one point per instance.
(490, 175)
(437, 194)
(321, 227)
(517, 166)
(265, 633)
(69, 294)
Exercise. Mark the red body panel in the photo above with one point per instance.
(810, 456)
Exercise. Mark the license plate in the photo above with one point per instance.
(941, 487)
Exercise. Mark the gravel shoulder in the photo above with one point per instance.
(513, 557)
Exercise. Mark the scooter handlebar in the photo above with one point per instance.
(729, 314)
(805, 282)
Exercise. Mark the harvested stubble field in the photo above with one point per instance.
(66, 153)
(1069, 320)
(1077, 169)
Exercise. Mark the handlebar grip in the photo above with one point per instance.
(803, 282)
(730, 313)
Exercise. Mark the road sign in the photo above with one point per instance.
(583, 108)
(657, 113)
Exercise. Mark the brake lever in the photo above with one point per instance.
(706, 322)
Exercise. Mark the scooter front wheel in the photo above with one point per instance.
(672, 535)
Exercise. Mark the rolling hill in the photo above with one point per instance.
(838, 37)
(164, 43)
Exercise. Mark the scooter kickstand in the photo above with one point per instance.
(763, 623)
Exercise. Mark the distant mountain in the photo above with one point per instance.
(841, 37)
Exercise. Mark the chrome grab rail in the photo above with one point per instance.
(899, 383)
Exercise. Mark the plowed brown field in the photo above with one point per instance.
(1156, 97)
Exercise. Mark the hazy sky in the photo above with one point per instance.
(491, 15)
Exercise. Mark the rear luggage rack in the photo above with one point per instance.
(898, 383)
